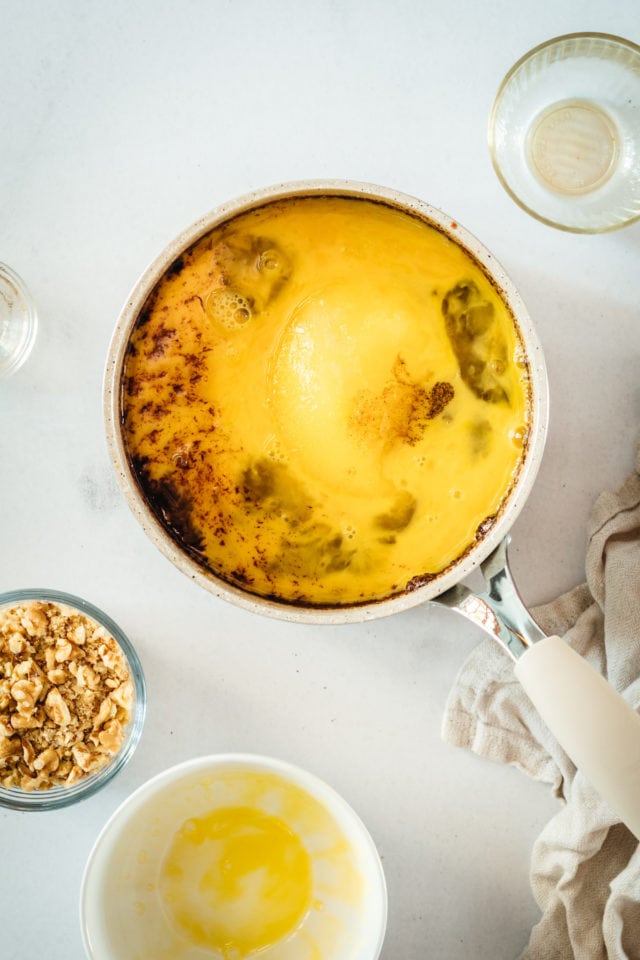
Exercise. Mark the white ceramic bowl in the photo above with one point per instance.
(410, 597)
(128, 906)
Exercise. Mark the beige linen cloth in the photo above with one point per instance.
(585, 866)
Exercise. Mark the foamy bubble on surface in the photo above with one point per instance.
(271, 261)
(229, 308)
(275, 451)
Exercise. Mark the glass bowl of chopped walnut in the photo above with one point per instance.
(72, 699)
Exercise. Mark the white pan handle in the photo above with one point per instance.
(599, 731)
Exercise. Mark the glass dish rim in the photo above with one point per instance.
(14, 798)
(31, 316)
(612, 38)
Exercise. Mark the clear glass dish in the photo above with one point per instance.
(564, 132)
(18, 322)
(61, 796)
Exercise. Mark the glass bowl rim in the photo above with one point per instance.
(15, 798)
(615, 41)
(7, 273)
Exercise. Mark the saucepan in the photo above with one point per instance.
(396, 378)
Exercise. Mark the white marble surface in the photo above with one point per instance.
(123, 122)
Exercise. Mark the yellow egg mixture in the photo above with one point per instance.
(325, 401)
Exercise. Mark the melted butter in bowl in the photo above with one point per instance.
(236, 880)
(325, 401)
(229, 858)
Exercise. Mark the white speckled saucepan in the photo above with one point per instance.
(296, 612)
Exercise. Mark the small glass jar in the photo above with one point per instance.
(564, 135)
(18, 322)
(60, 796)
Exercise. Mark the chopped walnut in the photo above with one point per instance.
(19, 722)
(28, 752)
(123, 695)
(64, 649)
(34, 620)
(48, 761)
(25, 693)
(82, 756)
(56, 708)
(6, 730)
(106, 711)
(112, 736)
(9, 747)
(66, 696)
(16, 643)
(57, 675)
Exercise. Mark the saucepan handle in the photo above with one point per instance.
(597, 728)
